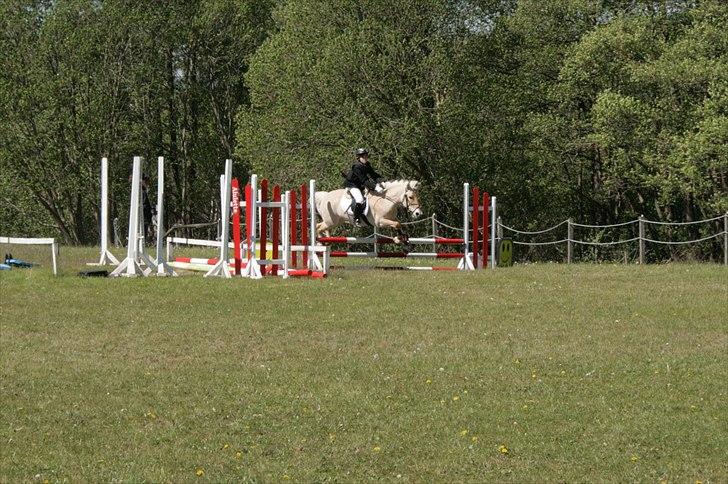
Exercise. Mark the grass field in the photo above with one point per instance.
(526, 374)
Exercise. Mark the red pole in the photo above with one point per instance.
(475, 199)
(304, 223)
(263, 224)
(236, 224)
(486, 232)
(294, 233)
(276, 227)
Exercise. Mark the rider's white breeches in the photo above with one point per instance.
(356, 195)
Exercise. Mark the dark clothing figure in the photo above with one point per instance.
(148, 213)
(362, 175)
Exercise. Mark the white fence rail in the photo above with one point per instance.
(30, 241)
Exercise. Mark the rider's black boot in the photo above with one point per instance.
(358, 212)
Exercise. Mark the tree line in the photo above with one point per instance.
(600, 110)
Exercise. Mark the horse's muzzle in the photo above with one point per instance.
(416, 213)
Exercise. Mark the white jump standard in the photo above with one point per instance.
(135, 252)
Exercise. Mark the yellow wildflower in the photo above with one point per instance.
(377, 449)
(634, 458)
(503, 449)
(455, 398)
(464, 432)
(200, 472)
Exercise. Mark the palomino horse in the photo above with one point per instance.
(334, 207)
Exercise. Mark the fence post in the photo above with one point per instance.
(725, 239)
(642, 239)
(434, 232)
(569, 238)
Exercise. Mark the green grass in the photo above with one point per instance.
(584, 373)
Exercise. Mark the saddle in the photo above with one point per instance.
(347, 205)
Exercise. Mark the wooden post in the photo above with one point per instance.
(642, 238)
(434, 232)
(569, 238)
(725, 239)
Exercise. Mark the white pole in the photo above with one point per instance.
(314, 263)
(54, 252)
(493, 233)
(106, 256)
(130, 267)
(163, 269)
(285, 233)
(467, 255)
(221, 268)
(725, 239)
(252, 267)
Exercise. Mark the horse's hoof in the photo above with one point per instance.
(396, 240)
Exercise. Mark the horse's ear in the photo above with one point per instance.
(414, 184)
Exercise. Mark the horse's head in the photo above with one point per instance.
(404, 192)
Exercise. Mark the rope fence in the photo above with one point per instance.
(641, 238)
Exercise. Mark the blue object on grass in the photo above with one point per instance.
(16, 262)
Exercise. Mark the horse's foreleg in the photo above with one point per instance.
(394, 224)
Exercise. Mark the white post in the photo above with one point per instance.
(642, 238)
(285, 233)
(725, 239)
(106, 256)
(163, 269)
(130, 267)
(252, 268)
(314, 263)
(569, 238)
(466, 263)
(221, 268)
(222, 204)
(54, 253)
(434, 232)
(493, 234)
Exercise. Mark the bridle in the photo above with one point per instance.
(404, 201)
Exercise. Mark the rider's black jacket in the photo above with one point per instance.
(361, 175)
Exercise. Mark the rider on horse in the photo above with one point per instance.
(361, 175)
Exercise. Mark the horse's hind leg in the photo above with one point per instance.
(322, 228)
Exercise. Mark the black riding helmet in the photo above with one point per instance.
(361, 152)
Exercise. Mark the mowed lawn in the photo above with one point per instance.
(525, 374)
